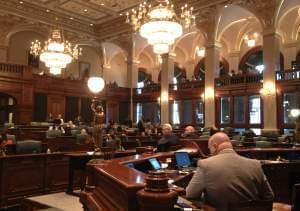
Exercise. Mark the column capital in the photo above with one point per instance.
(133, 62)
(270, 32)
(213, 44)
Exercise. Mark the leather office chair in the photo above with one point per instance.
(259, 205)
(81, 138)
(263, 144)
(28, 147)
(53, 133)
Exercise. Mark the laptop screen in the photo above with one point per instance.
(182, 159)
(154, 163)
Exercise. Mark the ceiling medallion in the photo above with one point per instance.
(159, 24)
(56, 53)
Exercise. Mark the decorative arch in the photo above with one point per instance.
(199, 71)
(254, 57)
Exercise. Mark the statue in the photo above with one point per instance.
(98, 120)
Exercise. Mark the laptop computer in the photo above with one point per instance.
(183, 161)
(155, 164)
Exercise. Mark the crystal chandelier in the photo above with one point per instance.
(160, 24)
(57, 52)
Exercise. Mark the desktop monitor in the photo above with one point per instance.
(154, 163)
(182, 159)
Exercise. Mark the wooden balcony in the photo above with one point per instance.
(239, 80)
(288, 75)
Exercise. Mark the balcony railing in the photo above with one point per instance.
(187, 85)
(238, 80)
(12, 70)
(288, 75)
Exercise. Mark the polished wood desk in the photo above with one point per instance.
(78, 161)
(112, 185)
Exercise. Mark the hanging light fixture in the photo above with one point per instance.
(160, 24)
(57, 52)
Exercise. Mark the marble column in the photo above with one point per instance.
(167, 74)
(271, 58)
(212, 54)
(132, 79)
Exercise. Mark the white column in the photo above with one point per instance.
(190, 67)
(167, 75)
(132, 79)
(271, 57)
(212, 54)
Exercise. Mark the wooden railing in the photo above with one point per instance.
(288, 75)
(187, 85)
(11, 68)
(239, 79)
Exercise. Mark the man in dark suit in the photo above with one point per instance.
(189, 133)
(168, 139)
(228, 178)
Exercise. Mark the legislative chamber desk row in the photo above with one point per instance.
(36, 174)
(114, 184)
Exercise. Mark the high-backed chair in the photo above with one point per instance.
(12, 138)
(74, 132)
(28, 147)
(53, 133)
(252, 206)
(81, 138)
(263, 144)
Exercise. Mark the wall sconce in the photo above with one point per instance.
(200, 52)
(158, 100)
(268, 89)
(209, 93)
(295, 112)
(251, 43)
(202, 96)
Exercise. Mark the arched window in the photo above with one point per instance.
(199, 71)
(252, 61)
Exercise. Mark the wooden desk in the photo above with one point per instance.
(78, 161)
(114, 186)
(269, 153)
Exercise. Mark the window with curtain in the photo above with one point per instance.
(139, 111)
(254, 109)
(187, 111)
(239, 110)
(290, 102)
(199, 112)
(175, 113)
(225, 110)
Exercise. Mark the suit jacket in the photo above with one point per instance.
(229, 178)
(166, 142)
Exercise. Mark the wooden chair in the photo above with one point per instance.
(259, 205)
(108, 153)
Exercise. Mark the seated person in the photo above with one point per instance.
(71, 125)
(228, 178)
(189, 133)
(59, 120)
(112, 141)
(168, 139)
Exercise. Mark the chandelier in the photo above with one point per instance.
(57, 52)
(160, 25)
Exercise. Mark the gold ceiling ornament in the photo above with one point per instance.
(56, 53)
(159, 24)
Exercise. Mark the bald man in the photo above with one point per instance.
(189, 133)
(228, 178)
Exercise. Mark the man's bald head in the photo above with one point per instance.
(189, 130)
(218, 142)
